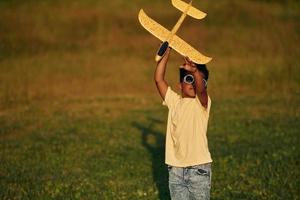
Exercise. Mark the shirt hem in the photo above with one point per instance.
(188, 164)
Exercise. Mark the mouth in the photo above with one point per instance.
(191, 88)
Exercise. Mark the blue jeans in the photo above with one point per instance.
(190, 182)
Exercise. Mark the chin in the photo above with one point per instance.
(190, 95)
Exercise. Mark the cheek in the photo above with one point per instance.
(192, 91)
(185, 88)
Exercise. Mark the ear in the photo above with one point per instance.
(179, 86)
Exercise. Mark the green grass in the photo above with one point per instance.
(80, 117)
(92, 152)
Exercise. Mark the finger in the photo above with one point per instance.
(184, 58)
(193, 64)
(187, 59)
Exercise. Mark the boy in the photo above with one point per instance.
(187, 154)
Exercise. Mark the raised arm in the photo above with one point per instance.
(199, 85)
(159, 75)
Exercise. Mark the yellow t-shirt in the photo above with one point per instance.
(186, 141)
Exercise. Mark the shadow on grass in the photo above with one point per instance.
(153, 141)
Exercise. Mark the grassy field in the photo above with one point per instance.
(80, 117)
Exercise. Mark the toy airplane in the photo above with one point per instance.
(169, 38)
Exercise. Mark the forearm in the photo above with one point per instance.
(199, 83)
(160, 72)
(200, 88)
(159, 75)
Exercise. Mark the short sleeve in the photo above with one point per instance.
(208, 104)
(171, 98)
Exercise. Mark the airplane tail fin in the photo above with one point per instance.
(193, 12)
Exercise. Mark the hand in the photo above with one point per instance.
(167, 51)
(166, 55)
(189, 65)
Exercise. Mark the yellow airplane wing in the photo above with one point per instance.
(176, 42)
(153, 27)
(185, 49)
(193, 12)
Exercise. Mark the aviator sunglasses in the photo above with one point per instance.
(189, 79)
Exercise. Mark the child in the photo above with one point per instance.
(187, 154)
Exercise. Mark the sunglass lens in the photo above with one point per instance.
(189, 79)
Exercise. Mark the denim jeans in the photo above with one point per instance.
(190, 182)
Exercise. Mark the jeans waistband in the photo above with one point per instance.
(200, 165)
(194, 166)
